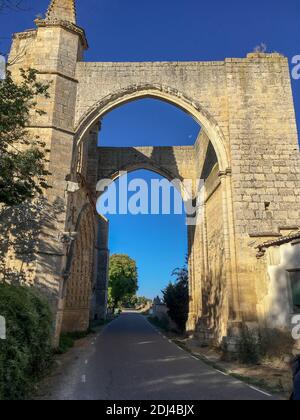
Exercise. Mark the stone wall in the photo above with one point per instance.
(99, 303)
(79, 284)
(214, 294)
(171, 162)
(233, 93)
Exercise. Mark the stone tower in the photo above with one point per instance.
(54, 48)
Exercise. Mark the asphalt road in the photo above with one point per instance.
(130, 360)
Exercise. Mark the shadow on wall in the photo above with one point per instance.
(214, 303)
(26, 233)
(162, 160)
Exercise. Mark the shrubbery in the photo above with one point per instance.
(257, 345)
(26, 353)
(249, 346)
(162, 323)
(275, 343)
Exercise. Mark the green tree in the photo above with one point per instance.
(176, 297)
(142, 301)
(22, 158)
(129, 301)
(123, 279)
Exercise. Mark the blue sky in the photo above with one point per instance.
(157, 243)
(148, 122)
(180, 30)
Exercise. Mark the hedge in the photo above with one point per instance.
(26, 353)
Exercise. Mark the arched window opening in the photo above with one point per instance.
(148, 122)
(158, 242)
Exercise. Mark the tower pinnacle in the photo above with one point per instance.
(62, 10)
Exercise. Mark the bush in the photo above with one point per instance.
(67, 341)
(162, 323)
(275, 343)
(248, 347)
(26, 354)
(263, 344)
(65, 344)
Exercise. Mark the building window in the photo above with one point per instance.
(295, 286)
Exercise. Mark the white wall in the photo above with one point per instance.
(278, 301)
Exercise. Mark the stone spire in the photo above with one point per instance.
(64, 10)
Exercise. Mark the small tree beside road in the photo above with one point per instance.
(176, 298)
(123, 279)
(22, 157)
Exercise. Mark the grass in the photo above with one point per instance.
(67, 341)
(163, 324)
(101, 322)
(257, 382)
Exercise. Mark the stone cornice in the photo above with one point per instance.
(51, 127)
(26, 34)
(227, 172)
(57, 73)
(276, 242)
(42, 23)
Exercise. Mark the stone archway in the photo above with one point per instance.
(165, 93)
(256, 181)
(172, 163)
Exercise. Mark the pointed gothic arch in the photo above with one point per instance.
(163, 93)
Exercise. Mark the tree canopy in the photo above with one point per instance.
(22, 158)
(123, 278)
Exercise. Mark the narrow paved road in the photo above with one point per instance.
(130, 360)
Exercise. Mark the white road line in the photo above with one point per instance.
(83, 379)
(260, 391)
(86, 362)
(238, 383)
(222, 373)
(219, 371)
